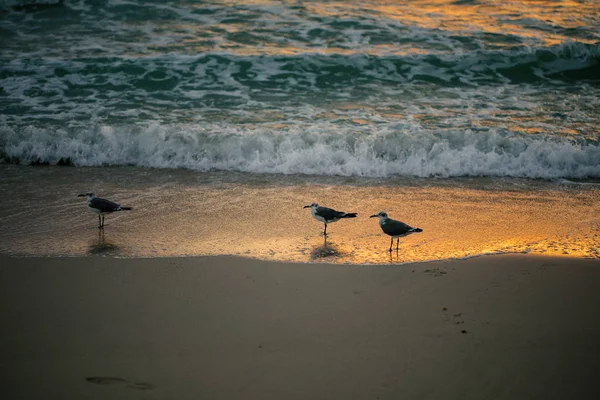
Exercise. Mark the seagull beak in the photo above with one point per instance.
(306, 207)
(373, 216)
(81, 195)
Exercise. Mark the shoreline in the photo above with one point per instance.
(178, 213)
(318, 261)
(224, 327)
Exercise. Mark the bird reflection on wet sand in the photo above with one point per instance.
(101, 246)
(325, 251)
(394, 257)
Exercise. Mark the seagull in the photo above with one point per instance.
(395, 229)
(102, 206)
(327, 215)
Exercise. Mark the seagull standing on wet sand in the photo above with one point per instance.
(102, 206)
(396, 229)
(327, 215)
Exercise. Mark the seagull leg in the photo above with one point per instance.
(99, 221)
(325, 230)
(103, 221)
(397, 244)
(391, 243)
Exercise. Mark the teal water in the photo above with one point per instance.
(369, 88)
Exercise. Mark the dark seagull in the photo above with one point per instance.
(396, 229)
(102, 206)
(327, 215)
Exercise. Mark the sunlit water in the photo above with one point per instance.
(179, 213)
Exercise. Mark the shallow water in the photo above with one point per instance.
(184, 213)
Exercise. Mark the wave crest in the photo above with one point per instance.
(315, 150)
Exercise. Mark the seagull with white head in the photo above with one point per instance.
(101, 206)
(393, 228)
(327, 215)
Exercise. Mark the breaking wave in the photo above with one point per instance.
(315, 150)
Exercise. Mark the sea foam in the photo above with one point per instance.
(317, 149)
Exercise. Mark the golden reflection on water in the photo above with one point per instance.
(502, 18)
(262, 216)
(547, 22)
(270, 223)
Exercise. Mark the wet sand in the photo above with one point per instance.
(186, 213)
(495, 327)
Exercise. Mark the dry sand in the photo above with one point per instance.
(497, 327)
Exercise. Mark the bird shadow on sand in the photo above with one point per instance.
(326, 250)
(102, 246)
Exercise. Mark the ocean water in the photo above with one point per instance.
(369, 88)
(416, 92)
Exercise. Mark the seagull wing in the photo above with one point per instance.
(396, 228)
(329, 214)
(104, 205)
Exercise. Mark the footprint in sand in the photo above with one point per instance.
(141, 386)
(111, 380)
(105, 380)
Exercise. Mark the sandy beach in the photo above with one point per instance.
(201, 130)
(495, 327)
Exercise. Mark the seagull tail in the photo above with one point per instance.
(350, 215)
(417, 230)
(126, 208)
